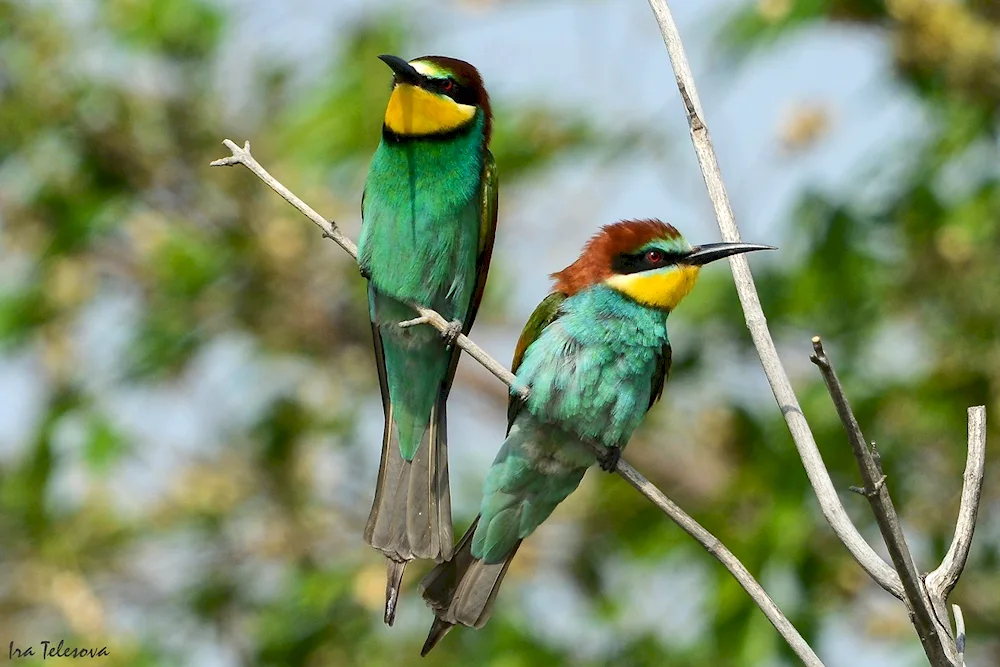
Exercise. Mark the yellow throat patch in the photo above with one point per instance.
(659, 289)
(413, 111)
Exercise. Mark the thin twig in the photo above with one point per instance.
(331, 231)
(877, 493)
(636, 479)
(243, 156)
(943, 579)
(406, 324)
(959, 633)
(719, 551)
(816, 470)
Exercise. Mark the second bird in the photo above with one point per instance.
(429, 217)
(594, 357)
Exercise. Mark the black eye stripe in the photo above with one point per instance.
(625, 264)
(459, 92)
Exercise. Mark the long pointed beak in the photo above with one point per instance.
(404, 70)
(703, 254)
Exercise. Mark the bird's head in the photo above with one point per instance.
(646, 260)
(434, 96)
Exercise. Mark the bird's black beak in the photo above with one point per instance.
(404, 70)
(703, 254)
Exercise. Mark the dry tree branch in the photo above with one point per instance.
(875, 489)
(943, 579)
(816, 470)
(709, 542)
(927, 605)
(959, 634)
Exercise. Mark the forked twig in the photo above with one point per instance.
(921, 607)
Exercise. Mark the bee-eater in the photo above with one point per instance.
(593, 357)
(429, 214)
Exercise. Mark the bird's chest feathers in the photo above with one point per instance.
(423, 182)
(592, 368)
(415, 111)
(420, 235)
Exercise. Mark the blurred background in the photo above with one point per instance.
(189, 415)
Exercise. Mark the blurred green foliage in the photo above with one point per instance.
(105, 193)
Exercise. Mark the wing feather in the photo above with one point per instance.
(545, 314)
(660, 375)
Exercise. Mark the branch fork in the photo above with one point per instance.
(925, 599)
(926, 603)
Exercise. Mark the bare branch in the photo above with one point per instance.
(710, 543)
(943, 579)
(243, 156)
(331, 231)
(406, 324)
(959, 633)
(877, 493)
(816, 470)
(719, 551)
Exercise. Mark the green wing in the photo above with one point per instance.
(660, 375)
(545, 314)
(488, 190)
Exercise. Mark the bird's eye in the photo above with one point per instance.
(448, 85)
(654, 256)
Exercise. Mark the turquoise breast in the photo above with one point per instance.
(591, 370)
(422, 205)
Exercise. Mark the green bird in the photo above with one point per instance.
(593, 357)
(429, 214)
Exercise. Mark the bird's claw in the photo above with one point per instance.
(365, 273)
(608, 460)
(452, 332)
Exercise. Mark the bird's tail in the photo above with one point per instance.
(411, 515)
(461, 591)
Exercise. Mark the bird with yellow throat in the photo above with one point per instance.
(593, 358)
(429, 215)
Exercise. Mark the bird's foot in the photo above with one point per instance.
(365, 273)
(608, 460)
(452, 332)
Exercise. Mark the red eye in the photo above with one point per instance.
(447, 85)
(654, 256)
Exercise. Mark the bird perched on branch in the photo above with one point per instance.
(593, 358)
(429, 217)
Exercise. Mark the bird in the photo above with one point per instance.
(593, 358)
(429, 216)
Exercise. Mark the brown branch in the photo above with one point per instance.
(710, 543)
(877, 491)
(812, 461)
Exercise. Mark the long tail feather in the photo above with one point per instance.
(393, 582)
(438, 630)
(411, 514)
(461, 591)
